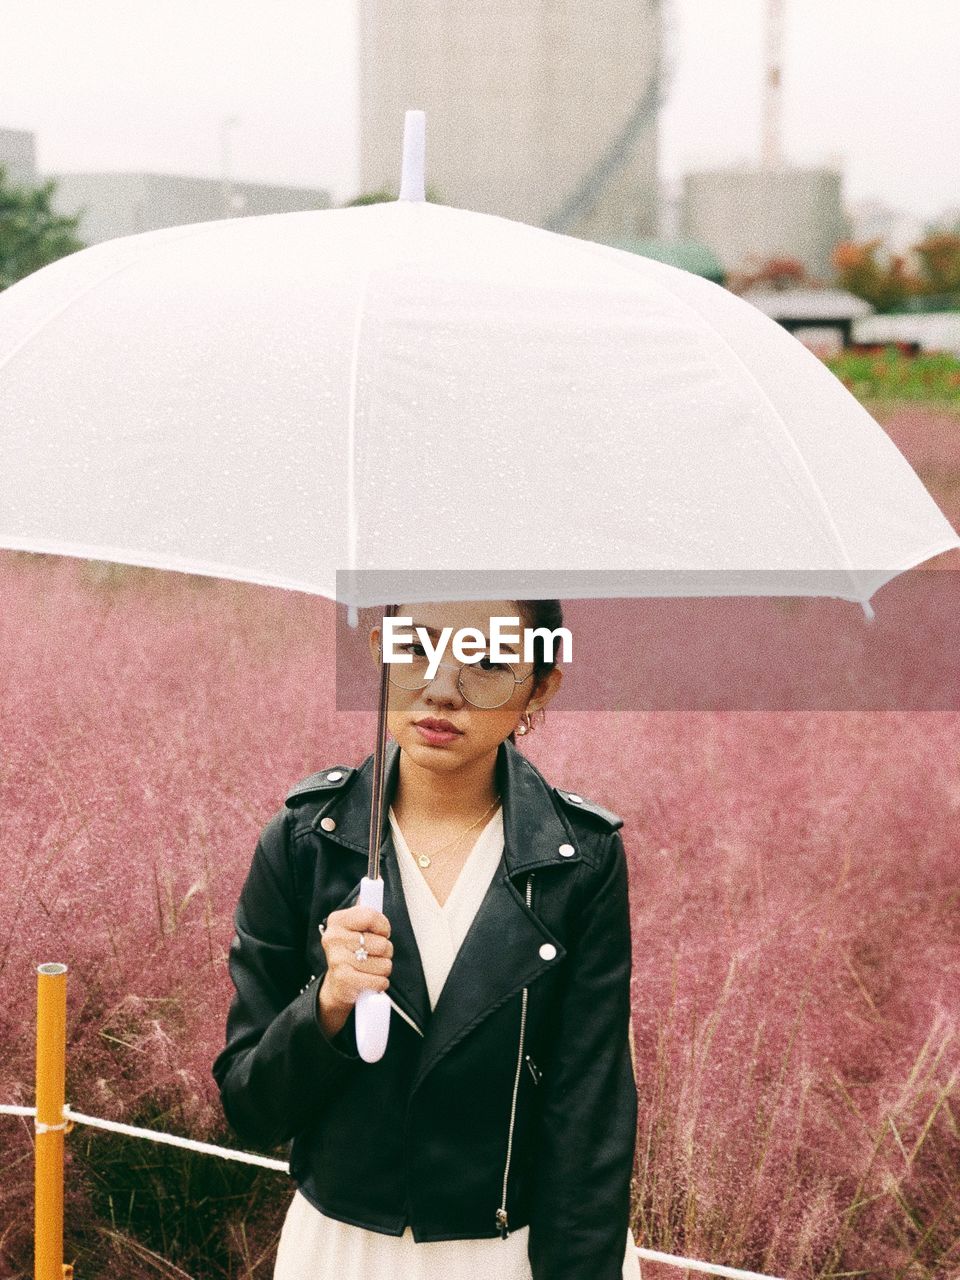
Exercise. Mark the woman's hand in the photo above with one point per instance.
(347, 976)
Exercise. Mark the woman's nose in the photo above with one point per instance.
(445, 686)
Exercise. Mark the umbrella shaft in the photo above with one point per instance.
(376, 809)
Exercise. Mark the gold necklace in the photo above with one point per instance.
(426, 859)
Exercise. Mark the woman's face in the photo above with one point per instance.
(477, 731)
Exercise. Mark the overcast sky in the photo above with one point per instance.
(125, 84)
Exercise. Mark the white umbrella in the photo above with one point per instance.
(409, 390)
(271, 398)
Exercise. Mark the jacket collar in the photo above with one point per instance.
(503, 948)
(533, 828)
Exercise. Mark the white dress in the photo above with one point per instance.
(313, 1245)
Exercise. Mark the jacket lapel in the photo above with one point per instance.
(500, 953)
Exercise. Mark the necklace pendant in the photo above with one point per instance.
(423, 860)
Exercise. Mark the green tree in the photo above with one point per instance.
(31, 232)
(778, 273)
(939, 254)
(369, 197)
(861, 272)
(892, 282)
(383, 195)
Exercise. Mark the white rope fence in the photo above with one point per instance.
(151, 1135)
(245, 1157)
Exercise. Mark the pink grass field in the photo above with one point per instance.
(795, 896)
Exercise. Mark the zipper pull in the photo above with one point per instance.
(502, 1223)
(534, 1069)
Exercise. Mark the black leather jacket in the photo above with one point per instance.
(514, 1101)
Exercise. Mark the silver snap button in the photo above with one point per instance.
(567, 851)
(335, 776)
(548, 951)
(571, 795)
(328, 824)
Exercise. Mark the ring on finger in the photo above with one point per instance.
(361, 951)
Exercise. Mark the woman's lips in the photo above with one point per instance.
(436, 737)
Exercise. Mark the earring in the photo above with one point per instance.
(525, 725)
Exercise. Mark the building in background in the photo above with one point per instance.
(749, 215)
(541, 112)
(18, 156)
(822, 319)
(122, 204)
(927, 332)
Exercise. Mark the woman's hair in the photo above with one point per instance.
(539, 613)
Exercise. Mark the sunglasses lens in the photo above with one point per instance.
(410, 675)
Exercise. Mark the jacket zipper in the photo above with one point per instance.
(501, 1215)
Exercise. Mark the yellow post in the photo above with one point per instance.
(51, 1095)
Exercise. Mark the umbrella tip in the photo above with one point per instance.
(414, 148)
(867, 610)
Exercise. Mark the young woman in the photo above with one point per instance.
(496, 1135)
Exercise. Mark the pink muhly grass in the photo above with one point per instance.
(930, 438)
(796, 980)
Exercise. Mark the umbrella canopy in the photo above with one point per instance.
(387, 388)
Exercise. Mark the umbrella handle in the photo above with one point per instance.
(373, 1007)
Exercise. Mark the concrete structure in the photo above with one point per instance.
(927, 332)
(18, 156)
(671, 206)
(771, 146)
(822, 319)
(121, 204)
(749, 215)
(541, 112)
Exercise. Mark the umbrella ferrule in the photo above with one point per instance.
(412, 185)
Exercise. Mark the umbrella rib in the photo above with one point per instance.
(94, 284)
(352, 441)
